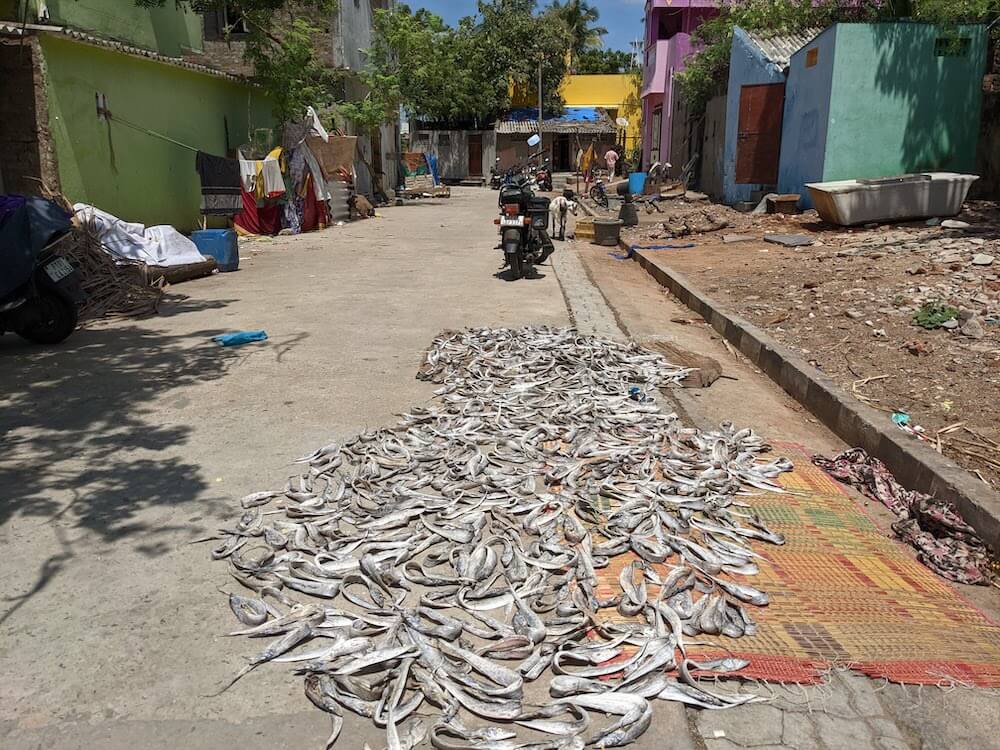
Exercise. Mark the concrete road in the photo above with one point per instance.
(132, 439)
(135, 438)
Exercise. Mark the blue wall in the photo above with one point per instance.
(807, 117)
(747, 67)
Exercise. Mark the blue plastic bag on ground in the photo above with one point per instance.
(240, 337)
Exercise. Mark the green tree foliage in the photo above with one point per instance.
(580, 18)
(287, 67)
(952, 11)
(511, 41)
(604, 61)
(708, 67)
(453, 75)
(281, 47)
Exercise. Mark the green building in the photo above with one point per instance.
(107, 102)
(884, 99)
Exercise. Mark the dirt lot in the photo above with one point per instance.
(847, 304)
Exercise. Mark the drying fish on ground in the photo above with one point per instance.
(421, 575)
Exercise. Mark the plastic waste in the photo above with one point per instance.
(239, 338)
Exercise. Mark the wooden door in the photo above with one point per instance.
(561, 159)
(475, 155)
(758, 142)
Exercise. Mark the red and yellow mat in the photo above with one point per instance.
(845, 594)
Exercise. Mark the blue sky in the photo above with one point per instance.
(622, 18)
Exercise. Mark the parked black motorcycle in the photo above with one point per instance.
(524, 224)
(543, 177)
(496, 175)
(39, 291)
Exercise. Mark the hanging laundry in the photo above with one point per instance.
(315, 126)
(316, 171)
(274, 183)
(254, 219)
(220, 184)
(248, 172)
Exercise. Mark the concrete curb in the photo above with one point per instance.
(915, 465)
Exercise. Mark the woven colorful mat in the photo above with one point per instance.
(844, 594)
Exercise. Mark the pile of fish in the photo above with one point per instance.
(424, 576)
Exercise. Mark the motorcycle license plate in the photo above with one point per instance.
(512, 221)
(58, 269)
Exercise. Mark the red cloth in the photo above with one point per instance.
(262, 220)
(310, 220)
(313, 211)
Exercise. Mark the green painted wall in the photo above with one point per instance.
(169, 30)
(896, 107)
(131, 174)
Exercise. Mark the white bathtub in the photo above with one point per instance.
(917, 196)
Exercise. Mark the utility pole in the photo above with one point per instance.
(541, 144)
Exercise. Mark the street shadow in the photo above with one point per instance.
(422, 203)
(176, 303)
(80, 439)
(507, 275)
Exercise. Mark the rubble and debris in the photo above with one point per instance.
(865, 275)
(790, 240)
(918, 348)
(969, 324)
(955, 224)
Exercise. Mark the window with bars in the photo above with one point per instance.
(225, 23)
(952, 46)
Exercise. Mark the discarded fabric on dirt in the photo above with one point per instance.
(437, 566)
(945, 543)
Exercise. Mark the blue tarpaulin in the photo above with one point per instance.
(572, 119)
(432, 162)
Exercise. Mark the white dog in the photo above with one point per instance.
(558, 208)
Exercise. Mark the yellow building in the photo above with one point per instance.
(618, 95)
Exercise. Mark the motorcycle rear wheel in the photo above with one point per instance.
(516, 264)
(54, 320)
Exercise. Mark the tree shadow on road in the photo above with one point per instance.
(81, 443)
(505, 274)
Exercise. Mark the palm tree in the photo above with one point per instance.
(579, 17)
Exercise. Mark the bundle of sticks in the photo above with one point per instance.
(113, 285)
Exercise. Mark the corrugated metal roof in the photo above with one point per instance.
(779, 48)
(9, 29)
(573, 120)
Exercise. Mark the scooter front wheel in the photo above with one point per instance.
(50, 321)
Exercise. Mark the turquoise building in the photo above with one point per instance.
(879, 100)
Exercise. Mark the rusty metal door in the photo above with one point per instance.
(758, 142)
(475, 155)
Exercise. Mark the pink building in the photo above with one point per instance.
(669, 24)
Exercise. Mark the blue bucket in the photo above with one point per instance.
(221, 244)
(636, 182)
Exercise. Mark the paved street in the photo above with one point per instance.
(135, 438)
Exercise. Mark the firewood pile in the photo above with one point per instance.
(114, 286)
